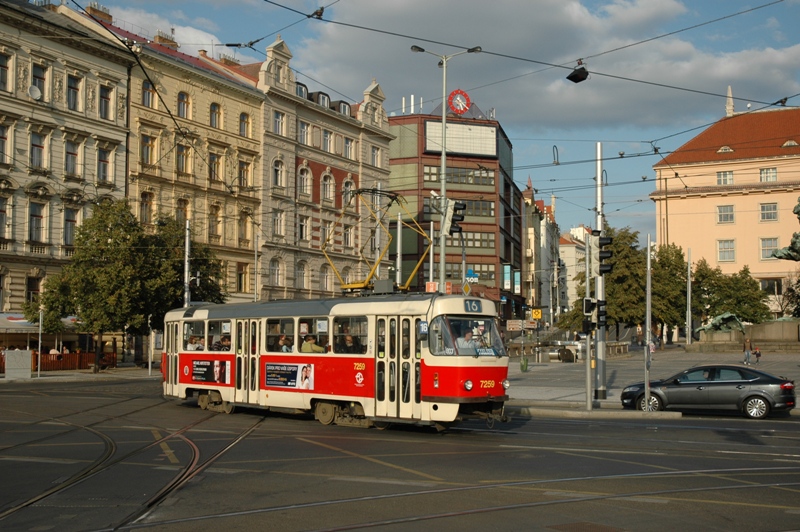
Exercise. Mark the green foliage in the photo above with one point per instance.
(120, 276)
(625, 285)
(668, 285)
(714, 293)
(793, 298)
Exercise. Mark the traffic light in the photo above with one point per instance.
(599, 254)
(601, 313)
(588, 306)
(453, 215)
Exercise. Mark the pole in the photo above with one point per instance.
(398, 275)
(588, 357)
(648, 337)
(255, 261)
(600, 292)
(39, 352)
(443, 179)
(187, 294)
(430, 257)
(689, 296)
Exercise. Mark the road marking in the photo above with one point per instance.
(40, 460)
(371, 480)
(169, 453)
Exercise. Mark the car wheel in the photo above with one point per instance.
(655, 404)
(756, 407)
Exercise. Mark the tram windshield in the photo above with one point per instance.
(465, 336)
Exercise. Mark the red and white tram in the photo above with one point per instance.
(425, 359)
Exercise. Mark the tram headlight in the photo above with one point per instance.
(506, 384)
(468, 385)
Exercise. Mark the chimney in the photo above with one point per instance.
(99, 12)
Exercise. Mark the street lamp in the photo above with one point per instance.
(443, 169)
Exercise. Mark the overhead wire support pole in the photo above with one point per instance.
(600, 293)
(187, 279)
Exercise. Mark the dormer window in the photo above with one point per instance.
(789, 144)
(725, 149)
(322, 99)
(344, 108)
(301, 90)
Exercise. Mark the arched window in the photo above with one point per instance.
(182, 211)
(347, 193)
(213, 221)
(275, 274)
(278, 179)
(146, 209)
(328, 187)
(243, 226)
(304, 181)
(244, 125)
(301, 272)
(346, 274)
(183, 105)
(216, 116)
(325, 279)
(148, 95)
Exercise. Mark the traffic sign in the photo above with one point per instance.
(536, 313)
(466, 288)
(514, 325)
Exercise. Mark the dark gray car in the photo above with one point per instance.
(716, 387)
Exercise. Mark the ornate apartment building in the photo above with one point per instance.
(63, 136)
(728, 194)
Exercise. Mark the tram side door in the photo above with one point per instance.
(171, 342)
(247, 344)
(395, 368)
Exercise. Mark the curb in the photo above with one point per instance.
(570, 413)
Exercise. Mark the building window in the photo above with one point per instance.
(300, 275)
(303, 181)
(183, 105)
(38, 78)
(725, 214)
(275, 277)
(213, 166)
(348, 149)
(183, 160)
(3, 216)
(37, 150)
(301, 90)
(215, 112)
(344, 108)
(347, 193)
(302, 228)
(36, 223)
(182, 211)
(376, 157)
(278, 179)
(71, 158)
(3, 144)
(213, 221)
(324, 100)
(70, 224)
(105, 102)
(148, 95)
(327, 138)
(303, 133)
(244, 125)
(768, 175)
(328, 187)
(769, 212)
(461, 176)
(725, 178)
(773, 287)
(148, 149)
(146, 209)
(277, 222)
(278, 122)
(347, 236)
(73, 92)
(726, 252)
(103, 166)
(324, 232)
(244, 174)
(325, 279)
(4, 72)
(243, 225)
(33, 287)
(241, 277)
(768, 245)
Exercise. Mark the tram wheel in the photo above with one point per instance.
(381, 425)
(202, 401)
(325, 412)
(228, 407)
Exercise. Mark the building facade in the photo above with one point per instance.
(728, 194)
(63, 134)
(480, 174)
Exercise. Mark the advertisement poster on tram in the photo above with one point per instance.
(211, 371)
(290, 376)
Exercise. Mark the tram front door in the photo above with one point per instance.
(397, 367)
(247, 348)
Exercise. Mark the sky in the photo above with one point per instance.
(659, 72)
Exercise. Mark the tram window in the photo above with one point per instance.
(380, 336)
(417, 385)
(417, 339)
(217, 330)
(280, 329)
(380, 381)
(350, 334)
(392, 337)
(405, 335)
(194, 336)
(316, 328)
(406, 384)
(440, 341)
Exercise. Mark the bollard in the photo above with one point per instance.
(523, 363)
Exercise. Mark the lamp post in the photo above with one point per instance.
(443, 169)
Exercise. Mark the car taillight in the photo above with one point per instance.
(787, 386)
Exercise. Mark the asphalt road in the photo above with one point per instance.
(110, 453)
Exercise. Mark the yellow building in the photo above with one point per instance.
(727, 195)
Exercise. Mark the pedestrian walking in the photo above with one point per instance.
(747, 348)
(757, 353)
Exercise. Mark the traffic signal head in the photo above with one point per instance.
(588, 306)
(454, 215)
(601, 313)
(599, 255)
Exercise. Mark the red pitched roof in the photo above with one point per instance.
(754, 135)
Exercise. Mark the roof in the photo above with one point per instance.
(753, 135)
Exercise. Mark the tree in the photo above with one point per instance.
(625, 285)
(707, 283)
(744, 296)
(668, 286)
